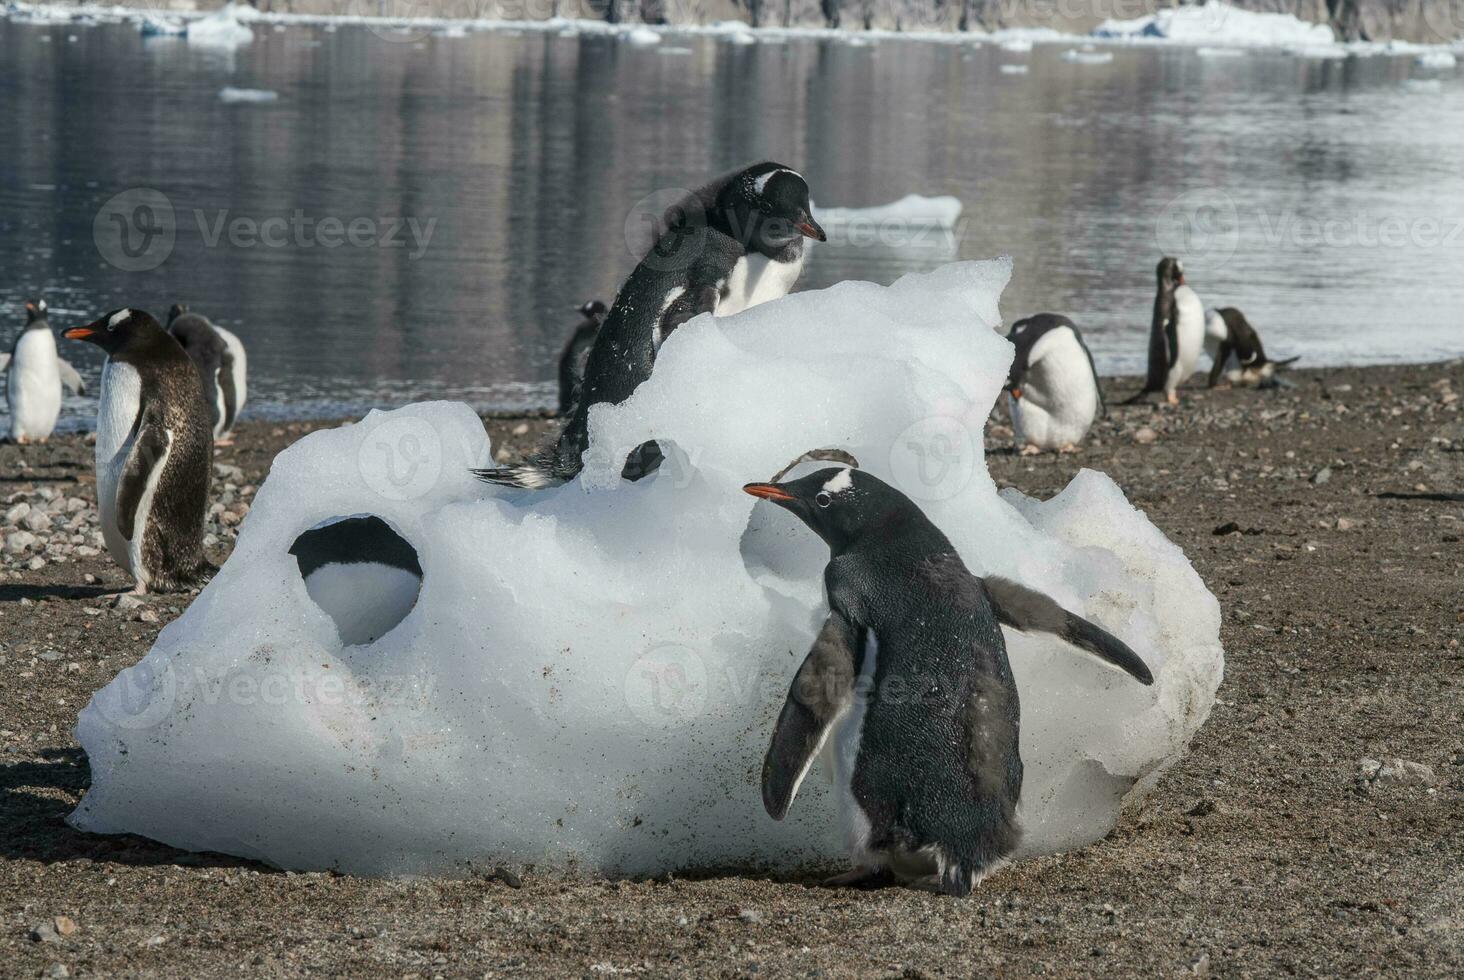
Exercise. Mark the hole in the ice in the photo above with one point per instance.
(363, 574)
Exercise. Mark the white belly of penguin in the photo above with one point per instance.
(1190, 332)
(121, 398)
(34, 386)
(1060, 397)
(849, 732)
(757, 279)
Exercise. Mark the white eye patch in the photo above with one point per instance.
(839, 482)
(759, 184)
(119, 317)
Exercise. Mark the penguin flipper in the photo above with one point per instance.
(820, 693)
(226, 387)
(71, 378)
(148, 452)
(1023, 609)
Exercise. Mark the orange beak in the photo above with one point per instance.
(79, 333)
(768, 491)
(1016, 393)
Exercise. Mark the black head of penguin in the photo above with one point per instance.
(174, 312)
(766, 207)
(1170, 273)
(125, 331)
(35, 313)
(848, 508)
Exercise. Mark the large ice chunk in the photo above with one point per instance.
(590, 674)
(1216, 23)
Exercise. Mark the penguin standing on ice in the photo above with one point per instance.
(1176, 334)
(221, 366)
(36, 374)
(576, 350)
(928, 776)
(1052, 386)
(154, 452)
(725, 247)
(1235, 350)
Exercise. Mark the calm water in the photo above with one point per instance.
(1326, 198)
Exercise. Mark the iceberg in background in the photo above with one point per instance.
(590, 674)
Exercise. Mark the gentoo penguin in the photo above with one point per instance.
(725, 247)
(1052, 386)
(33, 385)
(1235, 350)
(361, 572)
(154, 452)
(221, 366)
(576, 350)
(928, 777)
(1176, 334)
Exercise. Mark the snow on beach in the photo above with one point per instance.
(590, 674)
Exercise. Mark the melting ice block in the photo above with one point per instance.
(590, 674)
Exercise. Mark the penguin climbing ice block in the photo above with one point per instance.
(589, 674)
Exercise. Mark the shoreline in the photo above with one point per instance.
(1274, 846)
(1354, 31)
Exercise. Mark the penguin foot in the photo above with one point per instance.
(1171, 398)
(1069, 448)
(229, 441)
(1030, 450)
(860, 876)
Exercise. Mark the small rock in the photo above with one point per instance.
(36, 520)
(14, 514)
(522, 429)
(508, 877)
(750, 916)
(1398, 771)
(127, 602)
(50, 656)
(36, 564)
(17, 542)
(1344, 524)
(57, 970)
(1201, 809)
(147, 616)
(64, 925)
(1229, 527)
(1145, 436)
(1321, 476)
(44, 932)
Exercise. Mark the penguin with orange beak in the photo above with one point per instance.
(908, 682)
(730, 245)
(154, 452)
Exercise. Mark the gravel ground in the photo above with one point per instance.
(1317, 828)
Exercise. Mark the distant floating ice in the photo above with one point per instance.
(1437, 60)
(1087, 56)
(1217, 23)
(453, 31)
(643, 36)
(1017, 45)
(247, 95)
(911, 211)
(220, 29)
(1220, 52)
(158, 25)
(1014, 69)
(1423, 86)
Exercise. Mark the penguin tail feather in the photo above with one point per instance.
(528, 475)
(1288, 361)
(1137, 397)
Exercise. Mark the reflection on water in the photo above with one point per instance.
(419, 218)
